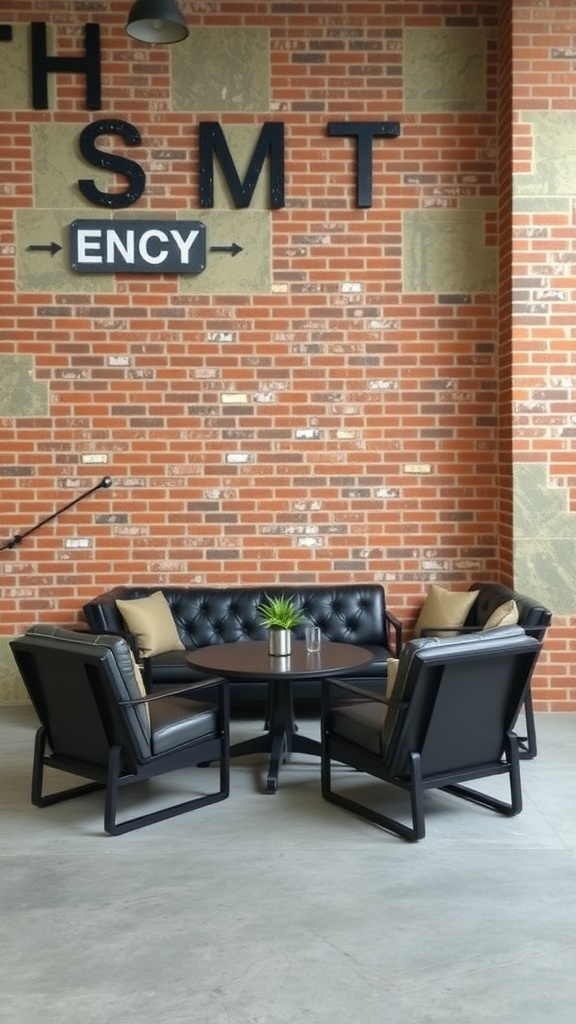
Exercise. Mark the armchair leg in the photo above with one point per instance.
(417, 797)
(37, 797)
(515, 781)
(414, 833)
(476, 797)
(527, 744)
(115, 782)
(416, 791)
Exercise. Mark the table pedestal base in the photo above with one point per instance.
(282, 738)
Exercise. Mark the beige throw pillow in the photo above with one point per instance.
(444, 608)
(140, 684)
(505, 615)
(391, 678)
(152, 623)
(138, 676)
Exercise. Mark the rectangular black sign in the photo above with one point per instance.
(138, 246)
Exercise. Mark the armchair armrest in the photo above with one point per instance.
(178, 692)
(377, 698)
(396, 625)
(434, 630)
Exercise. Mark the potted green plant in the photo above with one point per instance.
(280, 615)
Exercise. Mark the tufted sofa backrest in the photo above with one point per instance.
(352, 613)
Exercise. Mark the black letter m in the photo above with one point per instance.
(271, 140)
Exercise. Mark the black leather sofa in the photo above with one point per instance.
(347, 613)
(533, 616)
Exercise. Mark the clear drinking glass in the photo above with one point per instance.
(313, 638)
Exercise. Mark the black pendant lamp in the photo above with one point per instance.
(156, 21)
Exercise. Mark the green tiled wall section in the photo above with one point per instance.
(231, 70)
(20, 394)
(12, 690)
(445, 251)
(544, 540)
(444, 69)
(553, 155)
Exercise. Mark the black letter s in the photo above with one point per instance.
(99, 158)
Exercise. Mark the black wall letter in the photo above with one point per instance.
(42, 64)
(98, 158)
(364, 131)
(212, 141)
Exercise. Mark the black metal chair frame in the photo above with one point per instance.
(423, 753)
(117, 762)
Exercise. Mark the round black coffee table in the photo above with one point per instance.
(250, 659)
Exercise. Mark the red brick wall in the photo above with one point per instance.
(348, 380)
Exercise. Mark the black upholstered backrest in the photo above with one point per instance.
(75, 681)
(353, 613)
(463, 695)
(532, 615)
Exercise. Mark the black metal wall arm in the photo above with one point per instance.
(19, 537)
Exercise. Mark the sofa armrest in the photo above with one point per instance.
(396, 625)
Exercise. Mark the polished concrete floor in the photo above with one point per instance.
(283, 909)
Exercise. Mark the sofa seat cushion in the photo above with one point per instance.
(172, 670)
(167, 668)
(176, 721)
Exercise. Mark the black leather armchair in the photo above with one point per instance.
(449, 719)
(98, 723)
(534, 618)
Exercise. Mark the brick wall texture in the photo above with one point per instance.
(379, 392)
